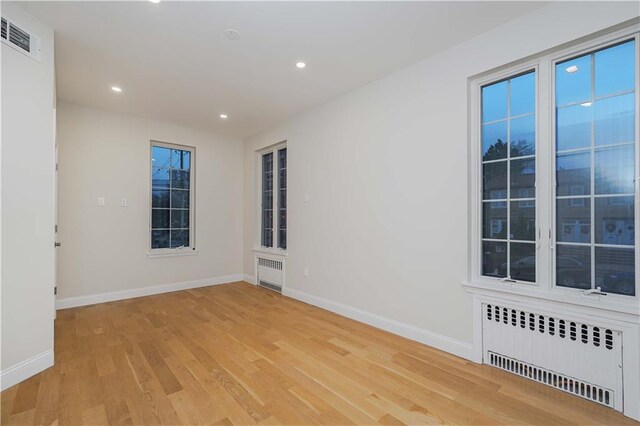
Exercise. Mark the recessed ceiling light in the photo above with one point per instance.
(301, 65)
(116, 89)
(155, 1)
(586, 104)
(571, 69)
(223, 116)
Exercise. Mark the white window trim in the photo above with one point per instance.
(182, 251)
(544, 288)
(257, 240)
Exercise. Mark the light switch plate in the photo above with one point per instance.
(101, 201)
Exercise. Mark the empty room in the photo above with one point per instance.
(336, 213)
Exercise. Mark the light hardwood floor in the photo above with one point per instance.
(238, 354)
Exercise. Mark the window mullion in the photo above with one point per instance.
(545, 176)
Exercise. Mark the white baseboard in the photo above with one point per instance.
(72, 302)
(250, 279)
(25, 369)
(444, 343)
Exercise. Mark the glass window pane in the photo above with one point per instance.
(494, 102)
(523, 178)
(573, 266)
(573, 80)
(523, 220)
(179, 199)
(615, 119)
(494, 141)
(573, 220)
(161, 157)
(574, 127)
(160, 178)
(523, 94)
(494, 220)
(159, 239)
(179, 218)
(523, 140)
(282, 201)
(615, 220)
(160, 198)
(494, 180)
(573, 172)
(282, 219)
(180, 179)
(179, 238)
(615, 270)
(494, 259)
(283, 239)
(614, 69)
(160, 218)
(614, 170)
(523, 262)
(180, 159)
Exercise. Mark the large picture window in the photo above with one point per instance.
(171, 196)
(555, 167)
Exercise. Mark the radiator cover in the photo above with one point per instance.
(582, 358)
(270, 273)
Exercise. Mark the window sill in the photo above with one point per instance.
(171, 253)
(609, 305)
(268, 250)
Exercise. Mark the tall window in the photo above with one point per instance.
(556, 165)
(508, 178)
(273, 229)
(171, 196)
(282, 198)
(267, 200)
(595, 169)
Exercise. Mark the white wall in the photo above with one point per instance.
(385, 230)
(27, 205)
(104, 249)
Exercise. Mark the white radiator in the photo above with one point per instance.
(582, 358)
(270, 273)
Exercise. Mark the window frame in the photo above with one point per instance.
(565, 55)
(545, 287)
(508, 199)
(272, 149)
(191, 248)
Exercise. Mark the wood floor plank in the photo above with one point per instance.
(239, 354)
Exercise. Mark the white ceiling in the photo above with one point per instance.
(174, 63)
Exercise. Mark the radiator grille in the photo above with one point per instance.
(270, 263)
(559, 381)
(545, 324)
(270, 286)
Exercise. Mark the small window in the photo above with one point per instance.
(273, 202)
(171, 196)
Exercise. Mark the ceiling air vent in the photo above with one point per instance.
(20, 39)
